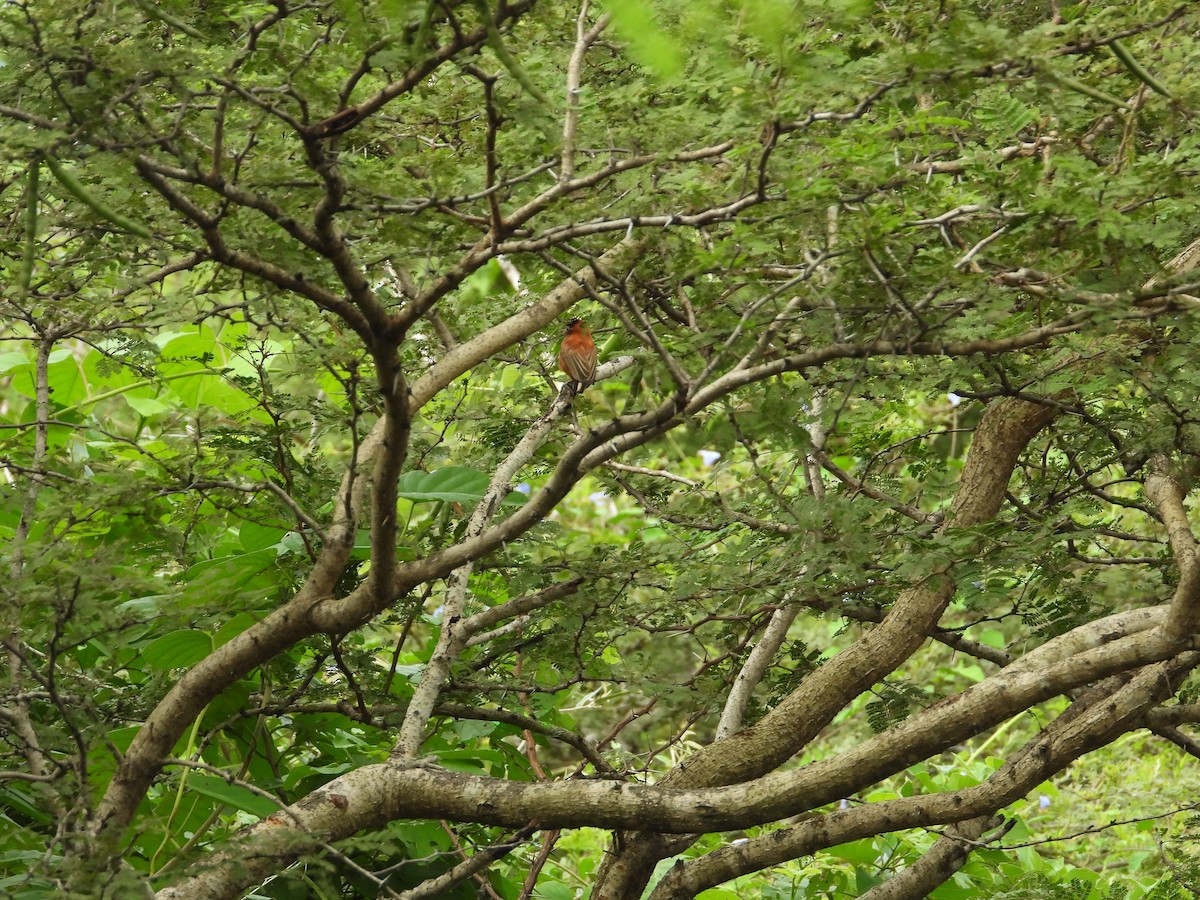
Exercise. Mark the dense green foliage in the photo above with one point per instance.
(279, 416)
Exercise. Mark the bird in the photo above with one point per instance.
(577, 353)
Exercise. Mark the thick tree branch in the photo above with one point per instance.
(1072, 734)
(372, 795)
(1167, 494)
(937, 864)
(1003, 433)
(984, 482)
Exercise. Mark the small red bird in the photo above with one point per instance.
(577, 354)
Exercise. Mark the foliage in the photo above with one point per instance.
(874, 528)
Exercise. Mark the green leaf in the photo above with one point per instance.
(232, 795)
(649, 43)
(17, 799)
(225, 577)
(146, 406)
(233, 627)
(11, 360)
(863, 853)
(177, 650)
(254, 536)
(453, 484)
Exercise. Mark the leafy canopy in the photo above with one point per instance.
(317, 584)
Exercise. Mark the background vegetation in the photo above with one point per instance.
(865, 569)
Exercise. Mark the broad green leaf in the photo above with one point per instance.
(232, 795)
(146, 406)
(254, 536)
(649, 42)
(177, 650)
(453, 484)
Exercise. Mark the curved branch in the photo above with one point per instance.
(1003, 433)
(1072, 734)
(372, 795)
(1167, 495)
